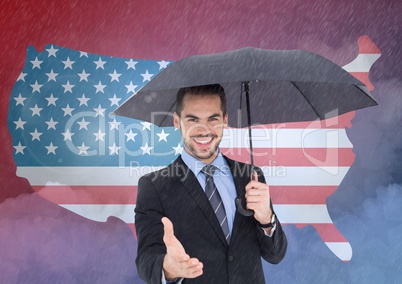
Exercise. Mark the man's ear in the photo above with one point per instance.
(225, 120)
(176, 120)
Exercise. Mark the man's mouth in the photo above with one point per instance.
(206, 140)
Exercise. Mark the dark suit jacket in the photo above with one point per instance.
(174, 192)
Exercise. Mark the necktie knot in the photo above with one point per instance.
(209, 170)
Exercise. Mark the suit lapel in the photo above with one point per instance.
(190, 182)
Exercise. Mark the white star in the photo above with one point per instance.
(115, 76)
(22, 77)
(146, 125)
(67, 135)
(36, 87)
(83, 149)
(83, 124)
(68, 87)
(114, 101)
(68, 110)
(130, 135)
(163, 64)
(36, 135)
(19, 124)
(35, 110)
(52, 51)
(114, 124)
(19, 100)
(99, 87)
(51, 100)
(100, 63)
(51, 124)
(83, 100)
(114, 149)
(131, 64)
(36, 63)
(51, 76)
(146, 76)
(83, 76)
(100, 135)
(68, 63)
(178, 149)
(99, 111)
(131, 87)
(19, 148)
(162, 136)
(85, 54)
(51, 149)
(146, 149)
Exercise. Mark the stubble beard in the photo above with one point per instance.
(201, 156)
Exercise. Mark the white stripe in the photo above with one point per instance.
(109, 176)
(303, 176)
(218, 208)
(84, 176)
(128, 176)
(223, 221)
(212, 194)
(287, 138)
(303, 213)
(100, 212)
(362, 63)
(342, 250)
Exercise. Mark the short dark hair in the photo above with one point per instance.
(213, 89)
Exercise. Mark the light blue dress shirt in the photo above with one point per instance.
(223, 180)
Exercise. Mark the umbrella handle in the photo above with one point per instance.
(243, 211)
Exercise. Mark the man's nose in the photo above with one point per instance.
(203, 128)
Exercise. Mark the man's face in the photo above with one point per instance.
(201, 123)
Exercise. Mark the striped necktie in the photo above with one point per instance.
(215, 199)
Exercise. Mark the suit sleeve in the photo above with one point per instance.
(149, 228)
(273, 249)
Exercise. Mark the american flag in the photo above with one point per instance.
(75, 153)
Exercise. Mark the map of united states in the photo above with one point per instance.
(76, 154)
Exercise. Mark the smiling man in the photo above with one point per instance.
(186, 220)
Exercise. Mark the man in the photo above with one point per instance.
(179, 236)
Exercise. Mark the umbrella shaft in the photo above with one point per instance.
(246, 90)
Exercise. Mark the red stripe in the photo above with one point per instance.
(300, 194)
(88, 194)
(364, 78)
(341, 122)
(319, 157)
(132, 227)
(367, 46)
(328, 232)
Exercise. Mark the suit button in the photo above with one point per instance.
(230, 258)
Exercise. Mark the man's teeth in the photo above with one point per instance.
(203, 141)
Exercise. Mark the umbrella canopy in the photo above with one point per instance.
(284, 86)
(275, 85)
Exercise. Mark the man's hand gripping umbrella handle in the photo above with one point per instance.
(239, 205)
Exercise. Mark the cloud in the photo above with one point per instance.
(46, 243)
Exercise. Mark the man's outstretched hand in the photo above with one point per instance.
(177, 263)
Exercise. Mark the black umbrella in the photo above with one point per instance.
(277, 85)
